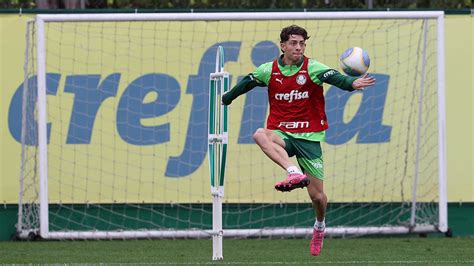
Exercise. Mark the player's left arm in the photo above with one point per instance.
(362, 82)
(321, 73)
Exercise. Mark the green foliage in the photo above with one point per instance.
(258, 4)
(17, 3)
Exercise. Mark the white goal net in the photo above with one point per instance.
(114, 126)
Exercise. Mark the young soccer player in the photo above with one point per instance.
(297, 121)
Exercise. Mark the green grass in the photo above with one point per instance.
(397, 250)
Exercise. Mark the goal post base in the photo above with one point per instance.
(236, 233)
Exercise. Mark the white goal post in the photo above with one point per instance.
(113, 149)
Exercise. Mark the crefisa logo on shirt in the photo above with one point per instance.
(301, 79)
(292, 95)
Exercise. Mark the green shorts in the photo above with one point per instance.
(308, 154)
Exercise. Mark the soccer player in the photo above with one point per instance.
(297, 121)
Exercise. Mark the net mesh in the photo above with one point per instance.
(127, 109)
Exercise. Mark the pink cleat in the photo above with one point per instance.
(316, 242)
(291, 182)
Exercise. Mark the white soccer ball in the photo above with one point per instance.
(355, 61)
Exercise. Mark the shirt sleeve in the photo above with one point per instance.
(337, 79)
(259, 78)
(263, 73)
(243, 86)
(320, 73)
(315, 68)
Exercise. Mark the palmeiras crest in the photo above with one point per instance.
(301, 79)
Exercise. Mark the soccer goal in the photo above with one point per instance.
(115, 127)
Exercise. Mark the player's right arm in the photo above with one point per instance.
(245, 85)
(259, 78)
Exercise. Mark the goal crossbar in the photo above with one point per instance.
(244, 16)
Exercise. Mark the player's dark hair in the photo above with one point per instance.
(286, 32)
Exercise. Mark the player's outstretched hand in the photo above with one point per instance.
(364, 81)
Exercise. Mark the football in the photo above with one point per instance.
(355, 61)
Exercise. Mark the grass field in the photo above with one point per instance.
(409, 250)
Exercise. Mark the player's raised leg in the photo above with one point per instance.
(274, 147)
(319, 200)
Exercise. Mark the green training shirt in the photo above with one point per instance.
(318, 72)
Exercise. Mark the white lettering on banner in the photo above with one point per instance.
(293, 95)
(294, 124)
